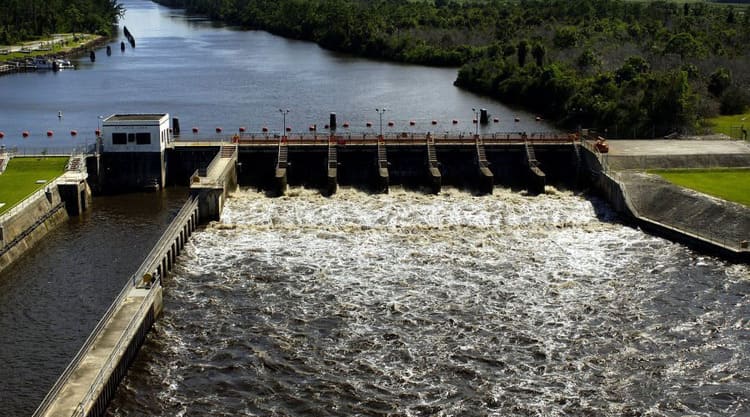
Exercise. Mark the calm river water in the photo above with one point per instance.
(211, 76)
(373, 305)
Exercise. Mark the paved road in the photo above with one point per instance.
(677, 147)
(37, 45)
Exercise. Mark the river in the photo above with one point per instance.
(400, 304)
(212, 76)
(414, 305)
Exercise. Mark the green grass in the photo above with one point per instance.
(69, 44)
(730, 125)
(19, 179)
(728, 184)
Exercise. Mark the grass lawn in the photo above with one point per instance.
(728, 184)
(19, 179)
(730, 125)
(54, 46)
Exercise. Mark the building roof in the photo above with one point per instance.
(150, 117)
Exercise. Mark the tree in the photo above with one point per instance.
(523, 50)
(538, 51)
(719, 81)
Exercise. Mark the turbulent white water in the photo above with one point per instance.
(413, 305)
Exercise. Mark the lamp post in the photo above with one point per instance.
(284, 112)
(380, 113)
(476, 121)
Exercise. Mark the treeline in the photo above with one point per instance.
(637, 68)
(22, 20)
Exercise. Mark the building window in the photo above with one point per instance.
(131, 137)
(143, 138)
(119, 138)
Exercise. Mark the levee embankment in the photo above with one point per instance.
(26, 224)
(656, 205)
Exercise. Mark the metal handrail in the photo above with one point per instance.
(122, 343)
(27, 201)
(146, 266)
(148, 263)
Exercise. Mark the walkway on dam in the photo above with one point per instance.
(677, 153)
(75, 395)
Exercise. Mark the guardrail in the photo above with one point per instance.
(165, 242)
(367, 137)
(48, 150)
(148, 265)
(27, 201)
(209, 171)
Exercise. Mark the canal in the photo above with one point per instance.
(394, 305)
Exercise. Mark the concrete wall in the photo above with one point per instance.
(689, 217)
(24, 230)
(407, 165)
(678, 161)
(126, 171)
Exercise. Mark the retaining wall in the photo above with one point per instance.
(686, 216)
(38, 216)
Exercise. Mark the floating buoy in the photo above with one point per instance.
(59, 115)
(25, 133)
(50, 133)
(412, 122)
(242, 129)
(325, 127)
(98, 132)
(265, 129)
(346, 125)
(390, 124)
(434, 122)
(311, 128)
(496, 120)
(368, 124)
(109, 50)
(538, 119)
(73, 133)
(288, 129)
(454, 121)
(516, 119)
(195, 130)
(474, 121)
(2, 135)
(218, 130)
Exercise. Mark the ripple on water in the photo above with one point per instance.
(410, 305)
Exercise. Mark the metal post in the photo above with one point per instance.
(476, 121)
(284, 112)
(380, 113)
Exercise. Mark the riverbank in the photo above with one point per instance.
(62, 46)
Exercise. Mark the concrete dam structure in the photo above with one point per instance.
(139, 151)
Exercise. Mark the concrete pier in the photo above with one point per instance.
(212, 185)
(91, 379)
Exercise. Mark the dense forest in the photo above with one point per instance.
(22, 20)
(635, 68)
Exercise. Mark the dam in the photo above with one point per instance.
(124, 161)
(213, 168)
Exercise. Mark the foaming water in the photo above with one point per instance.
(412, 305)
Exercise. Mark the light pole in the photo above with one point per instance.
(284, 112)
(476, 121)
(380, 113)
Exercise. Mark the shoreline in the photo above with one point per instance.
(14, 66)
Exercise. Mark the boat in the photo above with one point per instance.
(42, 63)
(61, 64)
